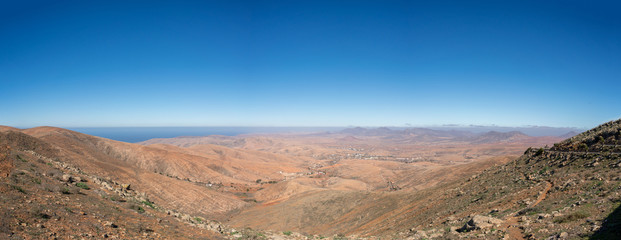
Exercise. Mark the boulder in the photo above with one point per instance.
(481, 222)
(560, 236)
(110, 224)
(67, 178)
(563, 235)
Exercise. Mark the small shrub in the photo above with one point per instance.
(340, 236)
(544, 170)
(525, 211)
(82, 186)
(137, 208)
(198, 220)
(65, 191)
(20, 158)
(18, 188)
(287, 233)
(36, 180)
(598, 183)
(148, 203)
(572, 217)
(583, 147)
(539, 152)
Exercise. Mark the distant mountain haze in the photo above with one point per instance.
(139, 134)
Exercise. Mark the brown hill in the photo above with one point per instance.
(41, 198)
(415, 185)
(149, 170)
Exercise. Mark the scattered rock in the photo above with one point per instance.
(420, 235)
(480, 222)
(110, 224)
(563, 235)
(67, 178)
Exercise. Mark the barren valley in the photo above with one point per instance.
(356, 183)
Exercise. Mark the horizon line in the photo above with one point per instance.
(334, 126)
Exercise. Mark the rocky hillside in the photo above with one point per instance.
(54, 188)
(571, 191)
(42, 198)
(602, 139)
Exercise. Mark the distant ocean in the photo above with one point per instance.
(139, 134)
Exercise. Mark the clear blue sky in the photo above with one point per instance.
(309, 63)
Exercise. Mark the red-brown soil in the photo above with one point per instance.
(363, 183)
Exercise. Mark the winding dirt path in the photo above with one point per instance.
(510, 224)
(542, 195)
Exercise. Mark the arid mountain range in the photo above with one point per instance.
(356, 183)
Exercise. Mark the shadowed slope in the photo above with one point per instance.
(611, 227)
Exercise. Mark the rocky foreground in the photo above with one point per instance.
(569, 191)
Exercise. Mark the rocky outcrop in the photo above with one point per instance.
(479, 222)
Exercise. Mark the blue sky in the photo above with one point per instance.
(309, 63)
